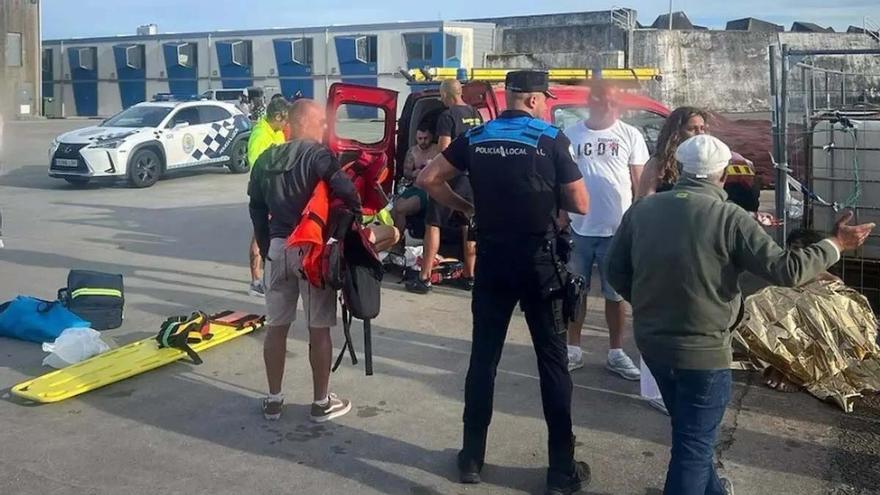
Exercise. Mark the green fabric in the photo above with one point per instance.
(262, 138)
(383, 217)
(677, 257)
(418, 193)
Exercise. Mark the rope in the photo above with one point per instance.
(853, 199)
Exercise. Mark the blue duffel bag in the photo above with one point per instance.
(35, 320)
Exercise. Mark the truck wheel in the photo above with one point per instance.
(238, 163)
(144, 168)
(78, 181)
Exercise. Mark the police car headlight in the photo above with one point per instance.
(109, 145)
(53, 147)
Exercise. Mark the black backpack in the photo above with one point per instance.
(362, 275)
(361, 280)
(95, 297)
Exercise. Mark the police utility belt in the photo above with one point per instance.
(567, 288)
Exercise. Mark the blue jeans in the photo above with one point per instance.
(587, 252)
(696, 400)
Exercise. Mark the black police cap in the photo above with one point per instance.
(528, 81)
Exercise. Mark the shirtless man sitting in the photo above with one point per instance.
(414, 200)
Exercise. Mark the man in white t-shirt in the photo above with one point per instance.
(611, 155)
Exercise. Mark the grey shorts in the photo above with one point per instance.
(285, 285)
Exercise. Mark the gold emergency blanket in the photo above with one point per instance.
(822, 336)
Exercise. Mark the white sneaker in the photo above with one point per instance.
(575, 360)
(622, 365)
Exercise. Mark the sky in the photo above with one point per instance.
(88, 18)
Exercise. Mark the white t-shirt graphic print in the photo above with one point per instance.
(604, 157)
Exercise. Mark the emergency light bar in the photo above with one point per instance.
(430, 74)
(165, 97)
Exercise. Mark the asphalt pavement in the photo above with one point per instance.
(182, 245)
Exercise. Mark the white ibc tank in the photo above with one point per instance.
(838, 157)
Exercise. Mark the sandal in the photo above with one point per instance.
(272, 406)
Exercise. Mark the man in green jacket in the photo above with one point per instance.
(267, 132)
(676, 258)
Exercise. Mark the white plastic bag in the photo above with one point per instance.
(412, 254)
(649, 388)
(72, 346)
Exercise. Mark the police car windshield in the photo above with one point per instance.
(147, 116)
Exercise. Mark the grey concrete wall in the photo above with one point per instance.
(723, 70)
(20, 16)
(585, 38)
(562, 46)
(728, 71)
(552, 20)
(549, 22)
(543, 60)
(579, 59)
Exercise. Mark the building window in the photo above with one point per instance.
(134, 57)
(86, 58)
(365, 49)
(241, 53)
(47, 60)
(301, 51)
(13, 49)
(452, 46)
(187, 54)
(419, 46)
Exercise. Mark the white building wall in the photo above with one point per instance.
(391, 57)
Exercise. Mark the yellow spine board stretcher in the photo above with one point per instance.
(127, 361)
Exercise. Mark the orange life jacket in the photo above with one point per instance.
(367, 172)
(309, 234)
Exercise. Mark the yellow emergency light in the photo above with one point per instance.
(570, 76)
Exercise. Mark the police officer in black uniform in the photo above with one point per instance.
(522, 175)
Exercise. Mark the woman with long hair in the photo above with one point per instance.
(661, 171)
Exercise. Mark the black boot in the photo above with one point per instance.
(468, 469)
(561, 484)
(566, 475)
(472, 454)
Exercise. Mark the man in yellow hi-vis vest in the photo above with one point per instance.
(267, 132)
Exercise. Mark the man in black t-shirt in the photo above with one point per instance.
(281, 185)
(457, 119)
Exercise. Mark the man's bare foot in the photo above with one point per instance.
(774, 379)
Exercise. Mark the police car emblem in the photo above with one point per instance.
(189, 143)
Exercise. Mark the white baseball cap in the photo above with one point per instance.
(703, 155)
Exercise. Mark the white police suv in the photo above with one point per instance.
(146, 140)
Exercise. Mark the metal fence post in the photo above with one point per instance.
(782, 160)
(778, 89)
